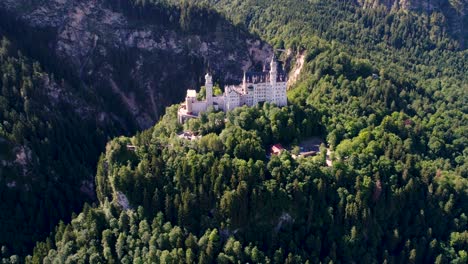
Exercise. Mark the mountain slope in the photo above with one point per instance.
(119, 50)
(392, 106)
(385, 90)
(50, 136)
(76, 73)
(419, 57)
(220, 200)
(455, 12)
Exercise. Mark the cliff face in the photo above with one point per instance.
(146, 65)
(109, 69)
(454, 11)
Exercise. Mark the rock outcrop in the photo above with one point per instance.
(106, 71)
(147, 65)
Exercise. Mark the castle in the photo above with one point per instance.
(256, 87)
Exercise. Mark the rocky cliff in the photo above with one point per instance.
(119, 51)
(109, 67)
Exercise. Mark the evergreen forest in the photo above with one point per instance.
(384, 89)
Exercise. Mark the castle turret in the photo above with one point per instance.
(209, 90)
(273, 70)
(189, 99)
(244, 84)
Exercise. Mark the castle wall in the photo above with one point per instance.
(279, 94)
(232, 100)
(220, 101)
(198, 106)
(233, 97)
(261, 88)
(248, 99)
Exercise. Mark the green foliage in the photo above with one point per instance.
(48, 151)
(388, 92)
(378, 201)
(216, 91)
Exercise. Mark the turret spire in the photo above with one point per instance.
(244, 83)
(209, 89)
(273, 70)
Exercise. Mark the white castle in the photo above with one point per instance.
(255, 88)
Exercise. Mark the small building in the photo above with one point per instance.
(308, 154)
(276, 149)
(131, 147)
(188, 135)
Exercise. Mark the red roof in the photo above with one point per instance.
(276, 149)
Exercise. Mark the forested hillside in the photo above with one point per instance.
(76, 74)
(453, 12)
(219, 199)
(137, 55)
(386, 89)
(367, 64)
(49, 142)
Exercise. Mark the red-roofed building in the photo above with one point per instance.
(276, 149)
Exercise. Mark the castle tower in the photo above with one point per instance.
(244, 84)
(209, 90)
(273, 70)
(191, 96)
(188, 104)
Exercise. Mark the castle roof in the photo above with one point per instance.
(234, 89)
(264, 76)
(276, 149)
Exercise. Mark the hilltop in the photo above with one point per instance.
(75, 74)
(382, 84)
